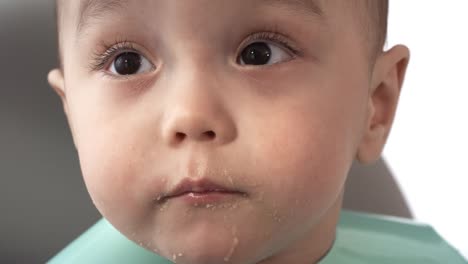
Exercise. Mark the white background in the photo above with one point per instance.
(428, 147)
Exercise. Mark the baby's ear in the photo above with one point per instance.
(56, 81)
(387, 80)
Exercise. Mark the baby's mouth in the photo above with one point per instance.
(201, 191)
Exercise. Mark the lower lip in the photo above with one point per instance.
(207, 198)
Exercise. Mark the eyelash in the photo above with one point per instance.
(100, 60)
(272, 36)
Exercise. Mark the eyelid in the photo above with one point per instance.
(101, 60)
(274, 37)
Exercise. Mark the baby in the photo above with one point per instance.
(223, 131)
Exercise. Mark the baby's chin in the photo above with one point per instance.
(205, 243)
(225, 233)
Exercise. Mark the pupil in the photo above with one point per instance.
(127, 63)
(256, 54)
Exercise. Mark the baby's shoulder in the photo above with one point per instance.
(365, 238)
(102, 243)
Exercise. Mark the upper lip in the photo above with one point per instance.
(198, 186)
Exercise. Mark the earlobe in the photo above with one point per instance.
(387, 80)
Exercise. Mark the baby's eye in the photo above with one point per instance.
(130, 63)
(263, 53)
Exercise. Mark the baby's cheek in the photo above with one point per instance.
(309, 181)
(110, 172)
(306, 166)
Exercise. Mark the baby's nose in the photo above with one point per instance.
(197, 117)
(190, 126)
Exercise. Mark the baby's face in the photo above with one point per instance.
(256, 108)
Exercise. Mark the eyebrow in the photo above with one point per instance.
(96, 9)
(313, 7)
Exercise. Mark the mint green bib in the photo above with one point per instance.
(361, 238)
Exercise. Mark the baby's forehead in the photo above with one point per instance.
(83, 14)
(89, 9)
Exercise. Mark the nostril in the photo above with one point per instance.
(209, 135)
(179, 136)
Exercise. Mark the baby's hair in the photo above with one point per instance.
(377, 21)
(372, 13)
